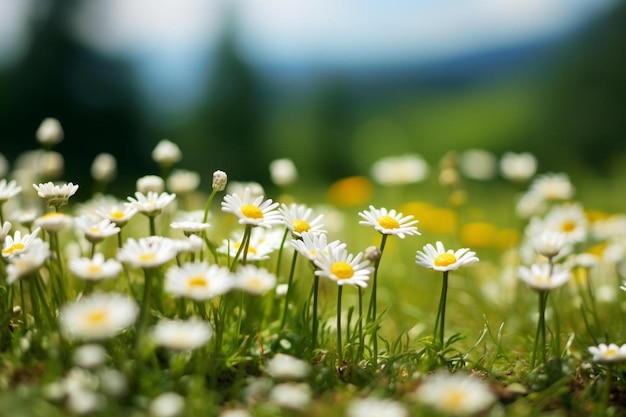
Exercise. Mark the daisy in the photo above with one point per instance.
(455, 394)
(55, 195)
(17, 244)
(441, 260)
(96, 230)
(287, 367)
(389, 222)
(98, 316)
(254, 280)
(608, 354)
(104, 168)
(283, 172)
(147, 253)
(374, 407)
(53, 222)
(252, 211)
(198, 281)
(149, 183)
(190, 227)
(25, 217)
(27, 262)
(182, 335)
(298, 219)
(96, 268)
(518, 167)
(553, 187)
(8, 190)
(310, 244)
(544, 277)
(568, 219)
(550, 243)
(117, 213)
(166, 153)
(151, 203)
(49, 132)
(4, 231)
(182, 181)
(400, 170)
(342, 267)
(291, 395)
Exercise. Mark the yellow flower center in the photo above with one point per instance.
(251, 249)
(51, 214)
(97, 316)
(14, 247)
(94, 229)
(568, 226)
(342, 270)
(388, 222)
(255, 284)
(148, 256)
(251, 212)
(300, 226)
(610, 352)
(541, 279)
(94, 269)
(444, 259)
(198, 282)
(117, 214)
(455, 400)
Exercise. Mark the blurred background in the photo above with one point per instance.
(332, 85)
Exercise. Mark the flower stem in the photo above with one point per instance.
(245, 242)
(289, 285)
(146, 306)
(339, 343)
(151, 219)
(441, 313)
(316, 283)
(371, 311)
(207, 207)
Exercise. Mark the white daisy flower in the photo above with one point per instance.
(287, 367)
(8, 190)
(252, 211)
(182, 181)
(262, 243)
(608, 354)
(166, 153)
(283, 172)
(400, 170)
(18, 244)
(374, 407)
(119, 214)
(98, 316)
(147, 253)
(544, 277)
(90, 356)
(151, 203)
(149, 183)
(182, 335)
(198, 281)
(96, 268)
(310, 244)
(389, 222)
(518, 167)
(49, 132)
(167, 404)
(104, 167)
(56, 195)
(455, 394)
(441, 260)
(529, 205)
(549, 243)
(190, 227)
(298, 219)
(254, 280)
(96, 230)
(25, 217)
(29, 261)
(478, 164)
(609, 228)
(342, 267)
(569, 219)
(53, 222)
(291, 395)
(553, 187)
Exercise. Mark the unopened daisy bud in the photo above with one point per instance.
(49, 132)
(150, 183)
(104, 167)
(219, 180)
(166, 153)
(283, 172)
(372, 254)
(168, 404)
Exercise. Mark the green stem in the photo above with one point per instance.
(441, 314)
(361, 340)
(339, 342)
(245, 242)
(152, 222)
(372, 315)
(207, 207)
(146, 306)
(280, 252)
(289, 284)
(316, 282)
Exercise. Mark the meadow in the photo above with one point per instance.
(472, 285)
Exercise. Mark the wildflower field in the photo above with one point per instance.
(412, 290)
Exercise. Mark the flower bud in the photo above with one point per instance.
(219, 180)
(49, 132)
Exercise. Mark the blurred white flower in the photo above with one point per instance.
(400, 170)
(150, 183)
(455, 393)
(182, 181)
(104, 167)
(607, 354)
(166, 153)
(287, 367)
(374, 407)
(181, 335)
(478, 164)
(27, 262)
(283, 172)
(544, 277)
(529, 205)
(294, 396)
(553, 187)
(56, 195)
(168, 404)
(96, 230)
(8, 190)
(254, 280)
(90, 356)
(96, 268)
(53, 222)
(518, 167)
(147, 253)
(151, 203)
(198, 280)
(49, 132)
